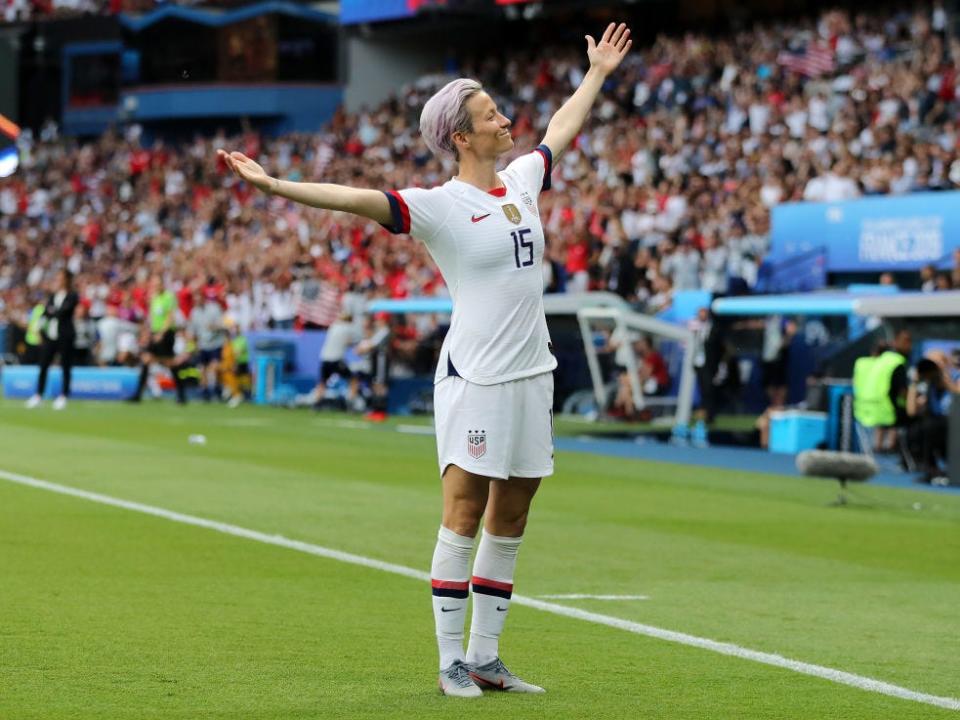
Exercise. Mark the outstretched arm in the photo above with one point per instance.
(371, 204)
(604, 59)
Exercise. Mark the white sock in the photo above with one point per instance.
(450, 578)
(492, 588)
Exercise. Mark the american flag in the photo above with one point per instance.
(319, 303)
(815, 61)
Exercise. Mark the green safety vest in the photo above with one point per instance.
(162, 307)
(35, 326)
(241, 350)
(872, 377)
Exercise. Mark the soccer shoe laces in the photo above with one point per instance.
(501, 668)
(459, 674)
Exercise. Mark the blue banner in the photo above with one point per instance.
(361, 11)
(87, 383)
(895, 233)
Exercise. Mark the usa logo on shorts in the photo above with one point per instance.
(477, 443)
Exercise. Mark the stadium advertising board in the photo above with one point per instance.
(872, 234)
(88, 383)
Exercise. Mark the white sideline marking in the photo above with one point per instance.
(416, 429)
(245, 422)
(351, 424)
(838, 676)
(579, 596)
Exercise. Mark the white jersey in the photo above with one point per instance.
(489, 247)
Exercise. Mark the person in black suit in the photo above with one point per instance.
(58, 337)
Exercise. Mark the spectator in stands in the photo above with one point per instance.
(713, 276)
(682, 265)
(662, 297)
(652, 377)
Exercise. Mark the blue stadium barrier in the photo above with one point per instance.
(87, 383)
(306, 346)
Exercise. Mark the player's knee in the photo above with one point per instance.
(463, 518)
(511, 524)
(464, 526)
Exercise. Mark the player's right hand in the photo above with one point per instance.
(247, 169)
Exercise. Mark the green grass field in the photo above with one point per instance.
(109, 613)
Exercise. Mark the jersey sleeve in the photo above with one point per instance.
(533, 170)
(418, 211)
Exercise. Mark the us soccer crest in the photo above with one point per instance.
(477, 443)
(512, 213)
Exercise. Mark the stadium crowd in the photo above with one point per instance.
(27, 10)
(701, 137)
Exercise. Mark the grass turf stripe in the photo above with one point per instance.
(838, 676)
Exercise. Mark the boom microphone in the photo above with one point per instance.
(843, 466)
(840, 465)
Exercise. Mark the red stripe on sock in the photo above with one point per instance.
(449, 584)
(506, 587)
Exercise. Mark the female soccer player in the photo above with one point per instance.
(493, 394)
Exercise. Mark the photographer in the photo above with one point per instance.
(928, 404)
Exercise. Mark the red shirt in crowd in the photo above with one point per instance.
(656, 368)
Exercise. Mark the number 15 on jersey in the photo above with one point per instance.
(522, 248)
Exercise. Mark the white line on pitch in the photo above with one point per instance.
(838, 676)
(245, 422)
(351, 424)
(578, 596)
(416, 429)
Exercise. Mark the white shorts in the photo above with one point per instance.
(501, 431)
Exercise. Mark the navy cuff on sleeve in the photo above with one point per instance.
(548, 165)
(397, 216)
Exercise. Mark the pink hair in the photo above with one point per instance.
(446, 113)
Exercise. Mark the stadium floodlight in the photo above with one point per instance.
(624, 320)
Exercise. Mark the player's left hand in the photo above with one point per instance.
(606, 55)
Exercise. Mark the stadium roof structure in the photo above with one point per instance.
(218, 18)
(901, 304)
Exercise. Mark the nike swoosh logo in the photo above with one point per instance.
(478, 218)
(500, 609)
(443, 609)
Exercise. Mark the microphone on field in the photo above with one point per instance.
(852, 467)
(843, 466)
